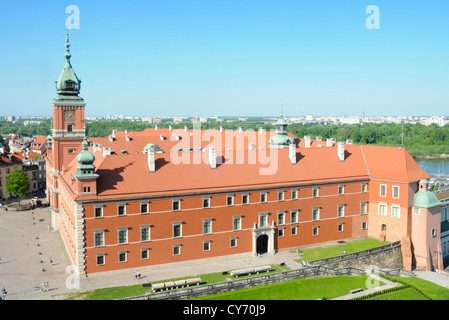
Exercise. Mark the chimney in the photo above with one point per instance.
(307, 141)
(328, 142)
(260, 130)
(170, 128)
(128, 138)
(292, 153)
(156, 127)
(151, 162)
(126, 132)
(341, 151)
(221, 128)
(240, 129)
(111, 137)
(212, 158)
(106, 151)
(186, 128)
(162, 137)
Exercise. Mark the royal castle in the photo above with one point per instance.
(137, 199)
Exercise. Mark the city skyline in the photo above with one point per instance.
(231, 59)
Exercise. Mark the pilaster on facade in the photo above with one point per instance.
(79, 241)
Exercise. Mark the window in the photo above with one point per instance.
(341, 227)
(177, 229)
(395, 211)
(245, 199)
(122, 235)
(341, 189)
(294, 216)
(69, 127)
(230, 200)
(233, 243)
(396, 192)
(86, 189)
(341, 210)
(294, 194)
(315, 192)
(206, 245)
(315, 214)
(145, 233)
(237, 223)
(176, 249)
(176, 205)
(364, 225)
(263, 197)
(364, 187)
(144, 254)
(122, 256)
(384, 227)
(121, 210)
(263, 219)
(98, 238)
(315, 231)
(206, 202)
(416, 211)
(71, 151)
(281, 218)
(98, 212)
(382, 209)
(207, 226)
(281, 195)
(281, 232)
(100, 259)
(144, 208)
(363, 208)
(294, 230)
(383, 190)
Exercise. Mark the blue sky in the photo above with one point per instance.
(229, 58)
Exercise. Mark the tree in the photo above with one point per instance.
(17, 183)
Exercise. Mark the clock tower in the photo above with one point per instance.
(68, 115)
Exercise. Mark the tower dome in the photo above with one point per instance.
(68, 85)
(281, 138)
(85, 161)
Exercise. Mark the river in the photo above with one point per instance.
(434, 166)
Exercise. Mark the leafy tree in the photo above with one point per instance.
(18, 183)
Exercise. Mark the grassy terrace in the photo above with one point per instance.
(138, 289)
(300, 289)
(328, 251)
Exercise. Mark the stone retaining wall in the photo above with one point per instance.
(384, 257)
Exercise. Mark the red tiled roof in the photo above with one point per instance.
(127, 175)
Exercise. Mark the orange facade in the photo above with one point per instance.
(212, 230)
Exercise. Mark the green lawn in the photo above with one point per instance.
(430, 289)
(137, 290)
(328, 251)
(404, 294)
(300, 289)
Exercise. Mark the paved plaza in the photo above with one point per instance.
(31, 254)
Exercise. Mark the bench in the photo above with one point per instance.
(356, 290)
(175, 284)
(241, 272)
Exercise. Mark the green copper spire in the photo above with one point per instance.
(86, 168)
(68, 84)
(281, 138)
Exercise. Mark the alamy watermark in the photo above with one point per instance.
(73, 20)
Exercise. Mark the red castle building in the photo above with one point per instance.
(137, 199)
